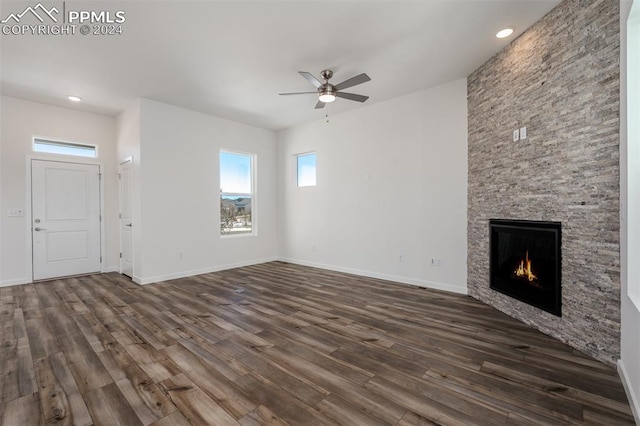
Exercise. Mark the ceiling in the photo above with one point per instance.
(232, 58)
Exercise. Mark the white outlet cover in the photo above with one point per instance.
(516, 135)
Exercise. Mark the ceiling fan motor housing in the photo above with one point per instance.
(327, 89)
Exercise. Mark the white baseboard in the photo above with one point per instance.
(404, 280)
(150, 280)
(19, 281)
(184, 274)
(634, 402)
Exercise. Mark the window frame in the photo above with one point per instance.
(39, 140)
(253, 194)
(315, 170)
(633, 159)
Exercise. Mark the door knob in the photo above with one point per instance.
(39, 229)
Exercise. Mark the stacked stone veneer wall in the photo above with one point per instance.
(560, 79)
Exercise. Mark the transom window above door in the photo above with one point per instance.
(48, 146)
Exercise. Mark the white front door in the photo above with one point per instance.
(65, 207)
(126, 224)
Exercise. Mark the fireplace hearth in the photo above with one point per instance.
(525, 262)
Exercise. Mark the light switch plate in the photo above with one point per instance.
(15, 212)
(523, 133)
(516, 135)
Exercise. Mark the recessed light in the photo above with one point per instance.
(74, 98)
(505, 32)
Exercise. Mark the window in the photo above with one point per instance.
(64, 148)
(307, 169)
(236, 193)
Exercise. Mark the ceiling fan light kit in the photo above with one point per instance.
(327, 97)
(328, 92)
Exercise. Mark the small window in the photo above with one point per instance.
(236, 194)
(307, 169)
(64, 148)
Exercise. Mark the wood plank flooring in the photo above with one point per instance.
(281, 344)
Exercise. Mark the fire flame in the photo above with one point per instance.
(524, 270)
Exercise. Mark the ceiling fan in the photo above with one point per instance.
(328, 92)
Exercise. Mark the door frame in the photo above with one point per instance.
(120, 164)
(28, 207)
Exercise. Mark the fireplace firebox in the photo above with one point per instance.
(525, 262)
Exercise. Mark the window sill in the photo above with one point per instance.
(243, 235)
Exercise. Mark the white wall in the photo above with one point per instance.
(629, 364)
(391, 182)
(179, 191)
(20, 121)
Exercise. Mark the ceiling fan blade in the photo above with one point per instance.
(320, 105)
(353, 81)
(317, 83)
(297, 93)
(352, 96)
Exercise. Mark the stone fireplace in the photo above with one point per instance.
(561, 80)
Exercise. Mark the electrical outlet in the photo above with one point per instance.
(401, 258)
(436, 261)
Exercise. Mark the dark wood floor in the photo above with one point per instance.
(283, 344)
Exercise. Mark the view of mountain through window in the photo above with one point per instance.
(236, 193)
